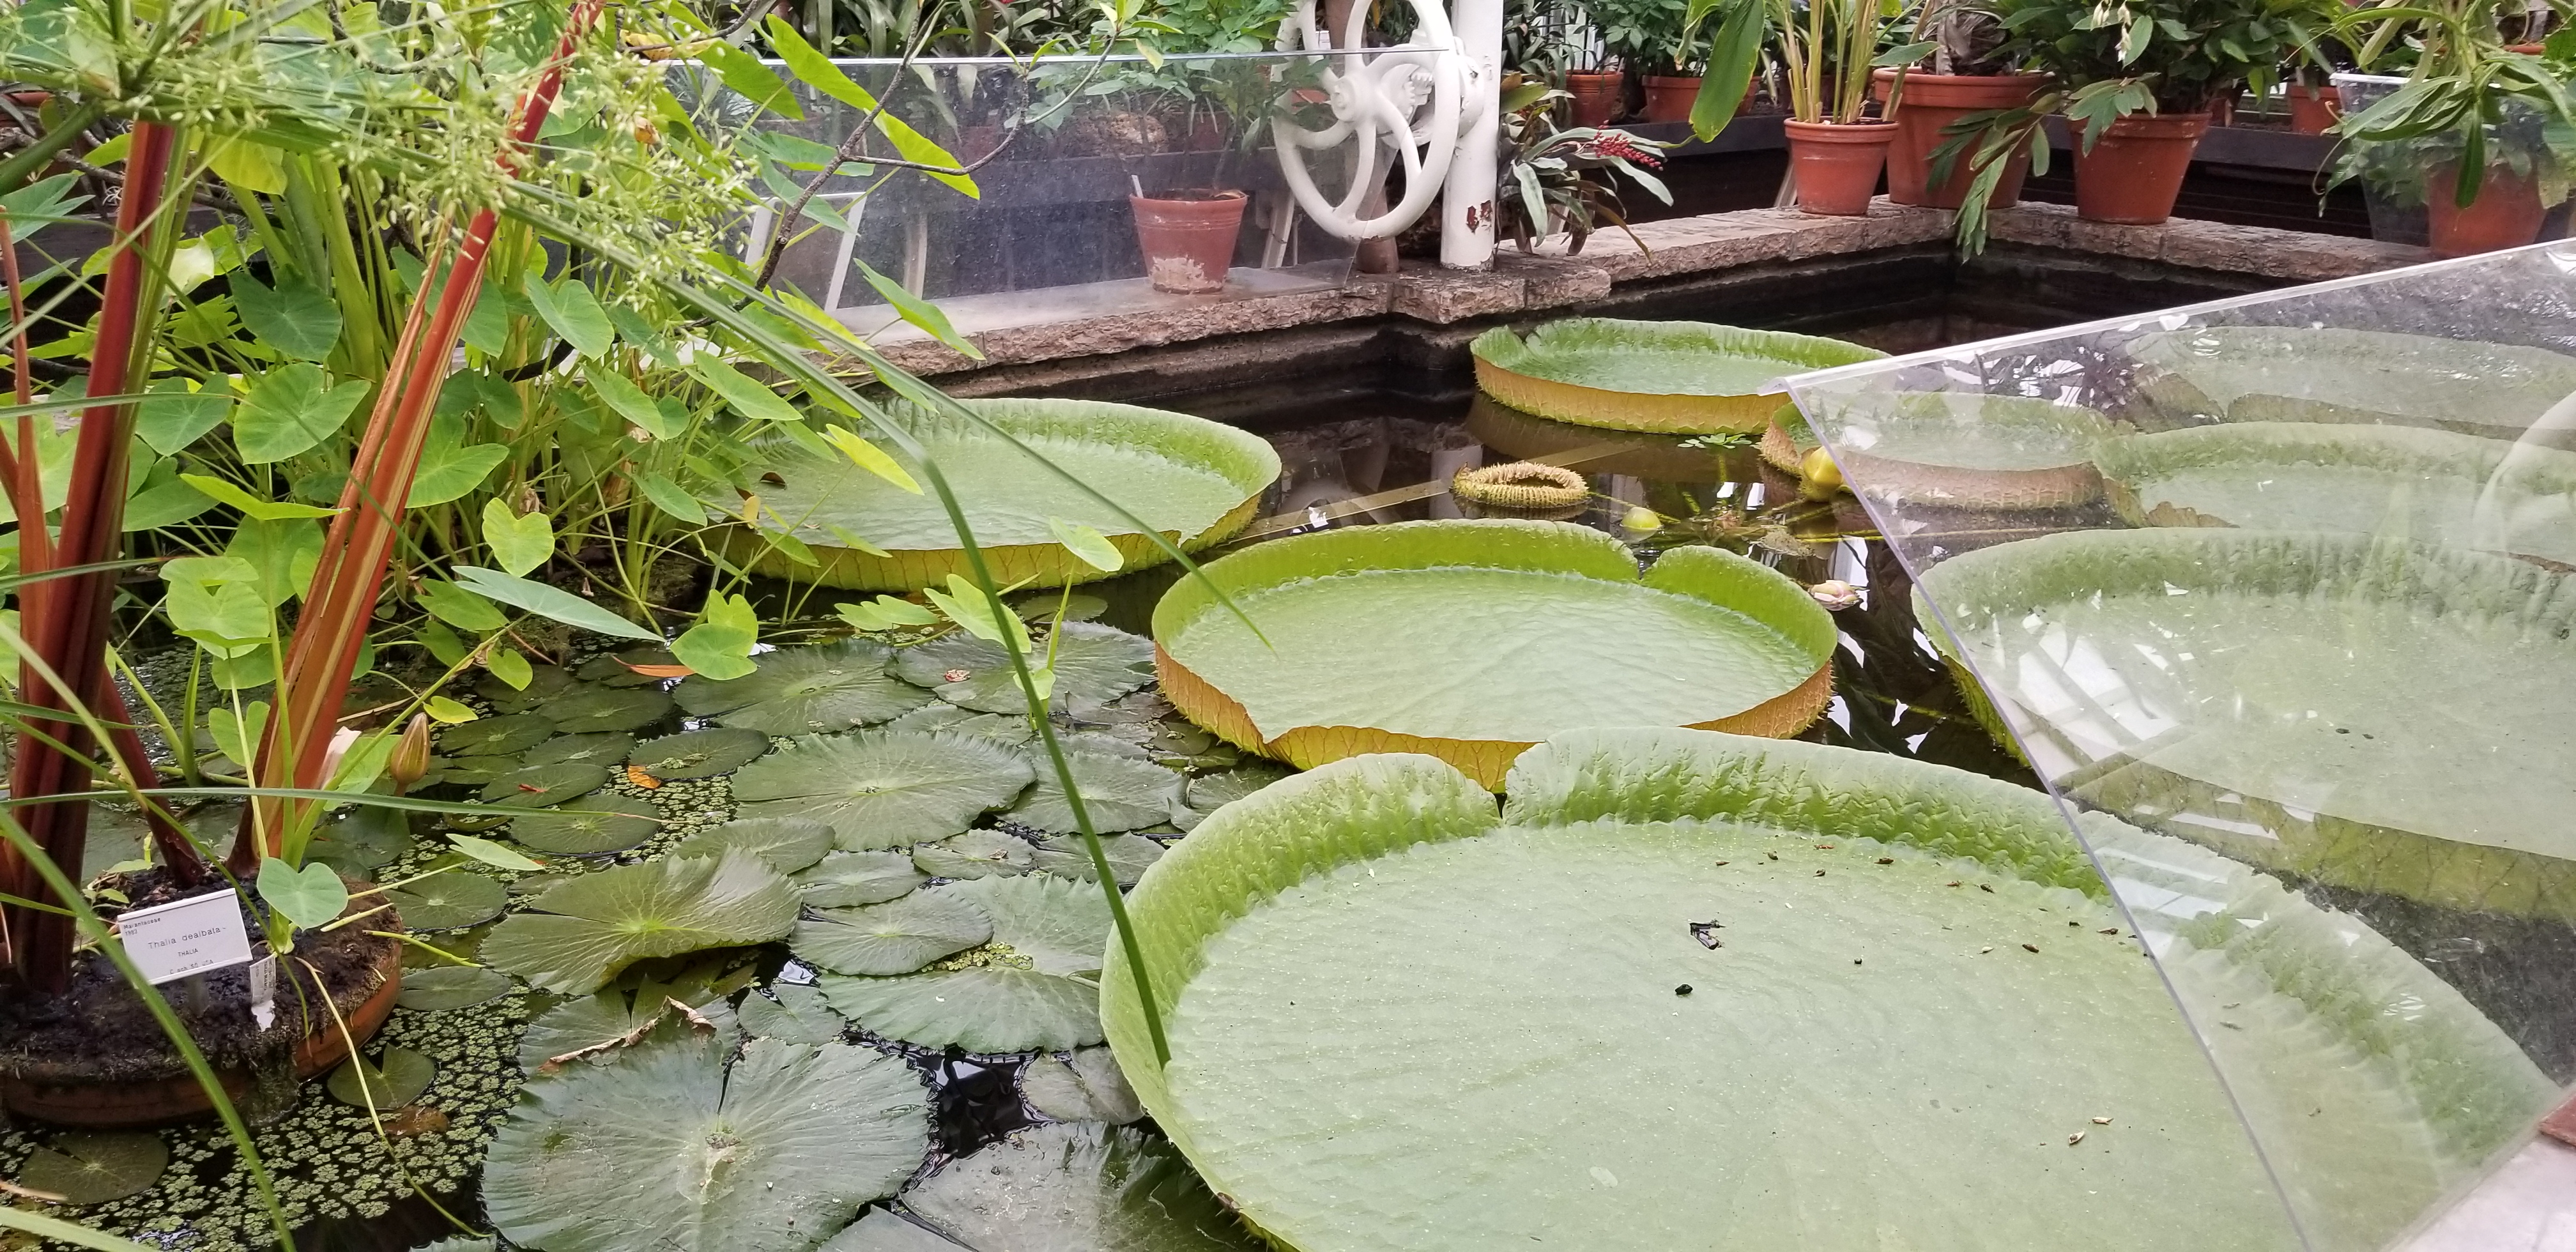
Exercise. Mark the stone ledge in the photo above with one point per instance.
(2296, 256)
(1365, 295)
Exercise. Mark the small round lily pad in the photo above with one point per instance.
(605, 749)
(545, 683)
(1066, 856)
(1093, 663)
(543, 785)
(883, 789)
(831, 687)
(469, 771)
(794, 1012)
(398, 1078)
(844, 879)
(451, 987)
(608, 708)
(787, 843)
(449, 901)
(897, 937)
(976, 854)
(496, 736)
(1118, 793)
(590, 826)
(699, 753)
(1084, 1086)
(368, 838)
(94, 1167)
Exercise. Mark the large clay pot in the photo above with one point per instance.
(2506, 214)
(2313, 110)
(1670, 99)
(1930, 103)
(1596, 97)
(1188, 243)
(2136, 168)
(1837, 166)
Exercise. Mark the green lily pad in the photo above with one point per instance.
(1193, 480)
(365, 839)
(1327, 955)
(603, 709)
(94, 1167)
(449, 901)
(1092, 662)
(613, 669)
(794, 1012)
(800, 691)
(897, 937)
(496, 736)
(670, 1147)
(1543, 627)
(1670, 377)
(1037, 987)
(1066, 856)
(455, 1244)
(545, 683)
(1058, 1189)
(1118, 793)
(941, 715)
(605, 749)
(399, 1077)
(444, 987)
(843, 879)
(2329, 374)
(2297, 699)
(543, 785)
(1210, 792)
(470, 771)
(698, 753)
(1083, 1086)
(788, 844)
(590, 826)
(584, 1024)
(975, 854)
(2459, 491)
(1967, 450)
(883, 789)
(580, 934)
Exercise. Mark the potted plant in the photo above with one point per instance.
(2477, 130)
(1188, 234)
(1835, 149)
(2136, 81)
(1651, 39)
(1965, 73)
(1555, 180)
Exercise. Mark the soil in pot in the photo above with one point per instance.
(1596, 97)
(1188, 238)
(1933, 101)
(95, 1056)
(1837, 166)
(2135, 169)
(2506, 214)
(2314, 109)
(1669, 99)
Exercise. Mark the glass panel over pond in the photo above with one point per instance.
(2291, 578)
(1092, 186)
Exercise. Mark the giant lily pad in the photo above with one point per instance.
(2459, 491)
(1035, 987)
(883, 789)
(1057, 1189)
(2319, 703)
(1968, 450)
(1092, 663)
(1677, 378)
(2329, 374)
(668, 1146)
(581, 933)
(1193, 480)
(833, 686)
(1473, 640)
(1809, 997)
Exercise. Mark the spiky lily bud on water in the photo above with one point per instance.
(410, 758)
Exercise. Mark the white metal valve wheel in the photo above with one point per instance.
(1404, 106)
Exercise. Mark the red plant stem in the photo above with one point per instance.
(24, 387)
(69, 624)
(346, 581)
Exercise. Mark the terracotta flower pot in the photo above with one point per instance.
(2135, 169)
(1596, 97)
(1188, 243)
(1933, 101)
(2506, 214)
(1837, 166)
(2313, 110)
(1670, 99)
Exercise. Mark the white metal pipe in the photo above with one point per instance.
(1467, 199)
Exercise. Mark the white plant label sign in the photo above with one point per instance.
(186, 937)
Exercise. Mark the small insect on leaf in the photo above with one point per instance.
(1706, 933)
(2030, 947)
(1682, 990)
(642, 779)
(954, 676)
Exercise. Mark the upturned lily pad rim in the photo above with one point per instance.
(1531, 374)
(1708, 574)
(1368, 807)
(1954, 466)
(1244, 460)
(2136, 462)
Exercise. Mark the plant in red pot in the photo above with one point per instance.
(2480, 134)
(1964, 76)
(1188, 233)
(1650, 38)
(2136, 80)
(1836, 149)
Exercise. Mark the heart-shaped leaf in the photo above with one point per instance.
(310, 897)
(518, 543)
(289, 410)
(401, 1077)
(294, 317)
(572, 311)
(719, 647)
